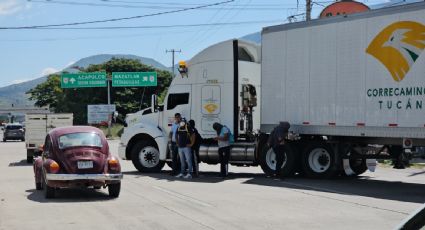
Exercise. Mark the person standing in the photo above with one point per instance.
(223, 139)
(195, 147)
(185, 139)
(174, 149)
(277, 142)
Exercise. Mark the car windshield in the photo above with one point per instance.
(13, 127)
(79, 139)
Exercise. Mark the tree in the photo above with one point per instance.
(127, 100)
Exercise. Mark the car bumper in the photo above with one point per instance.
(121, 151)
(97, 177)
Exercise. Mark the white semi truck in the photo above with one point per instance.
(352, 88)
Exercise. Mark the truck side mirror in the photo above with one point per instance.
(154, 103)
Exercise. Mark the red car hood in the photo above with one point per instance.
(70, 158)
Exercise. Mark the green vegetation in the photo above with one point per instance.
(116, 130)
(127, 100)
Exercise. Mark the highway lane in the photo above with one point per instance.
(247, 200)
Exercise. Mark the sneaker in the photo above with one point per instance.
(188, 176)
(180, 175)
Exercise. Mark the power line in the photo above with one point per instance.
(155, 26)
(116, 19)
(256, 7)
(178, 3)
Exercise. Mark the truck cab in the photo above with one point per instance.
(219, 84)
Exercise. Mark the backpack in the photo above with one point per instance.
(183, 134)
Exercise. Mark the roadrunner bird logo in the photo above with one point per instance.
(398, 46)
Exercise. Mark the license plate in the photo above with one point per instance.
(85, 164)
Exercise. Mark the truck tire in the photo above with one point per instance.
(268, 161)
(318, 161)
(145, 157)
(30, 156)
(358, 166)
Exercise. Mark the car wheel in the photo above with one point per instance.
(145, 157)
(49, 192)
(268, 161)
(4, 139)
(319, 161)
(38, 186)
(114, 189)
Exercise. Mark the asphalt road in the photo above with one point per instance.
(247, 200)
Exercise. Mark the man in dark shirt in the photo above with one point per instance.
(277, 142)
(195, 148)
(185, 139)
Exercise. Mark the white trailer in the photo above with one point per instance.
(347, 83)
(38, 125)
(352, 88)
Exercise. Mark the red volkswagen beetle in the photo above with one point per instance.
(77, 156)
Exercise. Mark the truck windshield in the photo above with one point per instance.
(79, 139)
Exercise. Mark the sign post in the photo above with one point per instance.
(96, 114)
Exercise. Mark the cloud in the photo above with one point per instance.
(48, 71)
(20, 81)
(13, 6)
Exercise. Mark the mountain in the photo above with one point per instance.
(15, 94)
(101, 58)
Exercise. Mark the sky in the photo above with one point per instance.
(27, 54)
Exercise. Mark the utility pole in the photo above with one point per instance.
(173, 51)
(308, 10)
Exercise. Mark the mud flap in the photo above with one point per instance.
(347, 169)
(371, 164)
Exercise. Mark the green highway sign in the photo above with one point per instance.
(83, 80)
(134, 79)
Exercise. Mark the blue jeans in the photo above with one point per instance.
(185, 154)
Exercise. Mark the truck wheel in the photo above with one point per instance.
(145, 157)
(49, 192)
(358, 166)
(318, 161)
(268, 161)
(114, 189)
